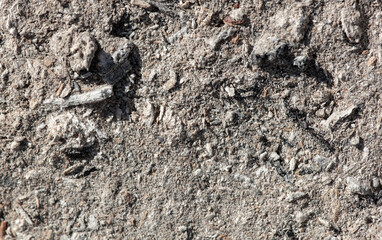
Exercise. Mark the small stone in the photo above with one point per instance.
(66, 90)
(48, 61)
(242, 178)
(302, 218)
(209, 149)
(152, 76)
(321, 97)
(17, 144)
(269, 50)
(301, 61)
(230, 117)
(292, 197)
(141, 3)
(375, 182)
(350, 22)
(182, 228)
(114, 66)
(149, 113)
(19, 226)
(48, 234)
(365, 154)
(237, 14)
(356, 186)
(355, 140)
(273, 46)
(321, 113)
(319, 163)
(326, 180)
(337, 116)
(171, 82)
(230, 91)
(83, 51)
(292, 164)
(193, 24)
(263, 156)
(93, 223)
(198, 172)
(274, 156)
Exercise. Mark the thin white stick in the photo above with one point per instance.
(94, 96)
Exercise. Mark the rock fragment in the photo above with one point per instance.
(60, 42)
(269, 49)
(320, 163)
(273, 156)
(93, 223)
(292, 164)
(18, 227)
(321, 97)
(82, 52)
(242, 178)
(11, 25)
(230, 117)
(355, 140)
(303, 217)
(292, 197)
(22, 213)
(149, 113)
(338, 116)
(153, 75)
(301, 61)
(324, 222)
(182, 228)
(238, 14)
(375, 182)
(230, 91)
(356, 186)
(209, 150)
(17, 144)
(114, 66)
(170, 84)
(287, 27)
(141, 3)
(350, 21)
(235, 18)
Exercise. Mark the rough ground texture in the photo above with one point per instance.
(227, 120)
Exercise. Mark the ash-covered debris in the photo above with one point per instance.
(275, 44)
(190, 119)
(79, 50)
(351, 23)
(113, 66)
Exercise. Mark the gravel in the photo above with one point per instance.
(190, 119)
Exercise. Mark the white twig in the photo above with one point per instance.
(94, 96)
